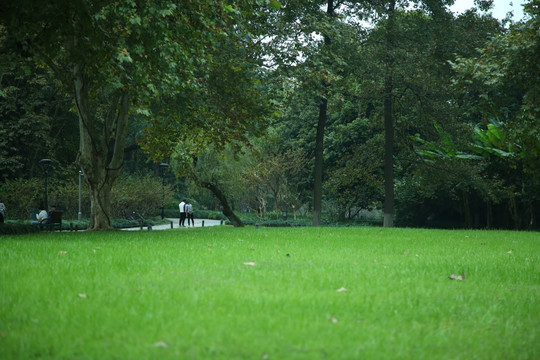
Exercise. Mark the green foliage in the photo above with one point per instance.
(36, 123)
(17, 229)
(143, 194)
(22, 197)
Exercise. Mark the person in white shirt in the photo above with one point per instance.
(41, 216)
(182, 207)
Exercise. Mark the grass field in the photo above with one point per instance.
(271, 293)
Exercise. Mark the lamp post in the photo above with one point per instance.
(79, 215)
(46, 163)
(163, 167)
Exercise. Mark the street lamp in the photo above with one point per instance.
(80, 213)
(46, 163)
(163, 167)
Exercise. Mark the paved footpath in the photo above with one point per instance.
(198, 223)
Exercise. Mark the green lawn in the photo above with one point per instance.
(271, 293)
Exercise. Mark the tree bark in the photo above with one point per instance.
(319, 159)
(389, 123)
(319, 143)
(101, 147)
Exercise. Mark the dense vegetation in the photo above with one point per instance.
(341, 110)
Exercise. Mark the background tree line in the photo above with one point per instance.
(338, 109)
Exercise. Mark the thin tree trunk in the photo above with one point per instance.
(467, 210)
(389, 124)
(388, 156)
(319, 159)
(489, 215)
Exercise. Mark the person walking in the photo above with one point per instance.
(189, 214)
(182, 207)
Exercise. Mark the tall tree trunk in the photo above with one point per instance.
(319, 159)
(467, 210)
(389, 123)
(489, 215)
(101, 147)
(319, 143)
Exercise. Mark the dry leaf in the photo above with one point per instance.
(509, 252)
(83, 296)
(342, 289)
(250, 263)
(62, 252)
(457, 277)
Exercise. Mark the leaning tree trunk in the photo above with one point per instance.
(101, 147)
(227, 210)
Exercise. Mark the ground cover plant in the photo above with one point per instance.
(271, 293)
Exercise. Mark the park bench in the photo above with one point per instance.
(132, 215)
(53, 222)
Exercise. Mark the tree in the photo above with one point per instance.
(501, 93)
(307, 51)
(35, 112)
(114, 57)
(229, 106)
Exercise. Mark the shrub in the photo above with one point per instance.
(21, 197)
(17, 229)
(143, 194)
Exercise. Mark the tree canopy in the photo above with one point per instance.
(400, 108)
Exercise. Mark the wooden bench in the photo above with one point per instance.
(53, 222)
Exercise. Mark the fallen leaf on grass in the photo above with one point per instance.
(62, 252)
(83, 296)
(509, 252)
(250, 263)
(342, 289)
(457, 277)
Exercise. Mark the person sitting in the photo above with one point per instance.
(40, 217)
(53, 209)
(2, 211)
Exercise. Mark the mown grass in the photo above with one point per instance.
(194, 294)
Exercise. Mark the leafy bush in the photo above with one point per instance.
(143, 194)
(21, 197)
(17, 229)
